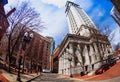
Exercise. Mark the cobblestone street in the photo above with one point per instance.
(48, 77)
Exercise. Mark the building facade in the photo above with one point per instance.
(36, 56)
(38, 53)
(76, 17)
(51, 51)
(52, 44)
(55, 60)
(116, 3)
(84, 49)
(116, 15)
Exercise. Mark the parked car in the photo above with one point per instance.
(46, 71)
(102, 69)
(112, 62)
(117, 58)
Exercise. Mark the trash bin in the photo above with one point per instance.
(82, 73)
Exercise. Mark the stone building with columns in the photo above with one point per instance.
(83, 49)
(87, 53)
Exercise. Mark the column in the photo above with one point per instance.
(60, 65)
(64, 62)
(92, 54)
(96, 52)
(67, 62)
(80, 63)
(97, 65)
(87, 59)
(71, 56)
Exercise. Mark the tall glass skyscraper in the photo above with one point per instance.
(84, 49)
(116, 15)
(77, 18)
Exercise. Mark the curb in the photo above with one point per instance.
(33, 78)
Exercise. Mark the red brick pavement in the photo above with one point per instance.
(3, 79)
(77, 76)
(109, 74)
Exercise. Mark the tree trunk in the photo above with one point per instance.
(9, 54)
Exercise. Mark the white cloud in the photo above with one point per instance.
(58, 3)
(53, 17)
(54, 20)
(97, 14)
(100, 14)
(85, 4)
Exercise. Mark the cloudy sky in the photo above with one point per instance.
(53, 15)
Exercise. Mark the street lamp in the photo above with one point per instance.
(26, 39)
(70, 59)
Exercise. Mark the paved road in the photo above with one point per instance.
(48, 77)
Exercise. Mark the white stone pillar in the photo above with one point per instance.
(60, 65)
(79, 54)
(97, 65)
(80, 63)
(96, 52)
(87, 59)
(92, 54)
(71, 56)
(67, 62)
(106, 52)
(64, 62)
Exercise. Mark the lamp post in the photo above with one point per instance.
(70, 59)
(26, 39)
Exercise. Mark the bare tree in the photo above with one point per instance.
(117, 46)
(107, 31)
(24, 16)
(73, 56)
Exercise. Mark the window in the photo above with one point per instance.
(92, 66)
(0, 17)
(86, 68)
(0, 27)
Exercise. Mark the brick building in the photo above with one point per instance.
(3, 19)
(36, 54)
(55, 60)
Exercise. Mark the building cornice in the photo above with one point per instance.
(73, 38)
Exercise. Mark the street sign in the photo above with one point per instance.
(4, 2)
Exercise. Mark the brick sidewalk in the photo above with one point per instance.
(113, 72)
(3, 79)
(12, 77)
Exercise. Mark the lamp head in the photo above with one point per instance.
(31, 35)
(26, 34)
